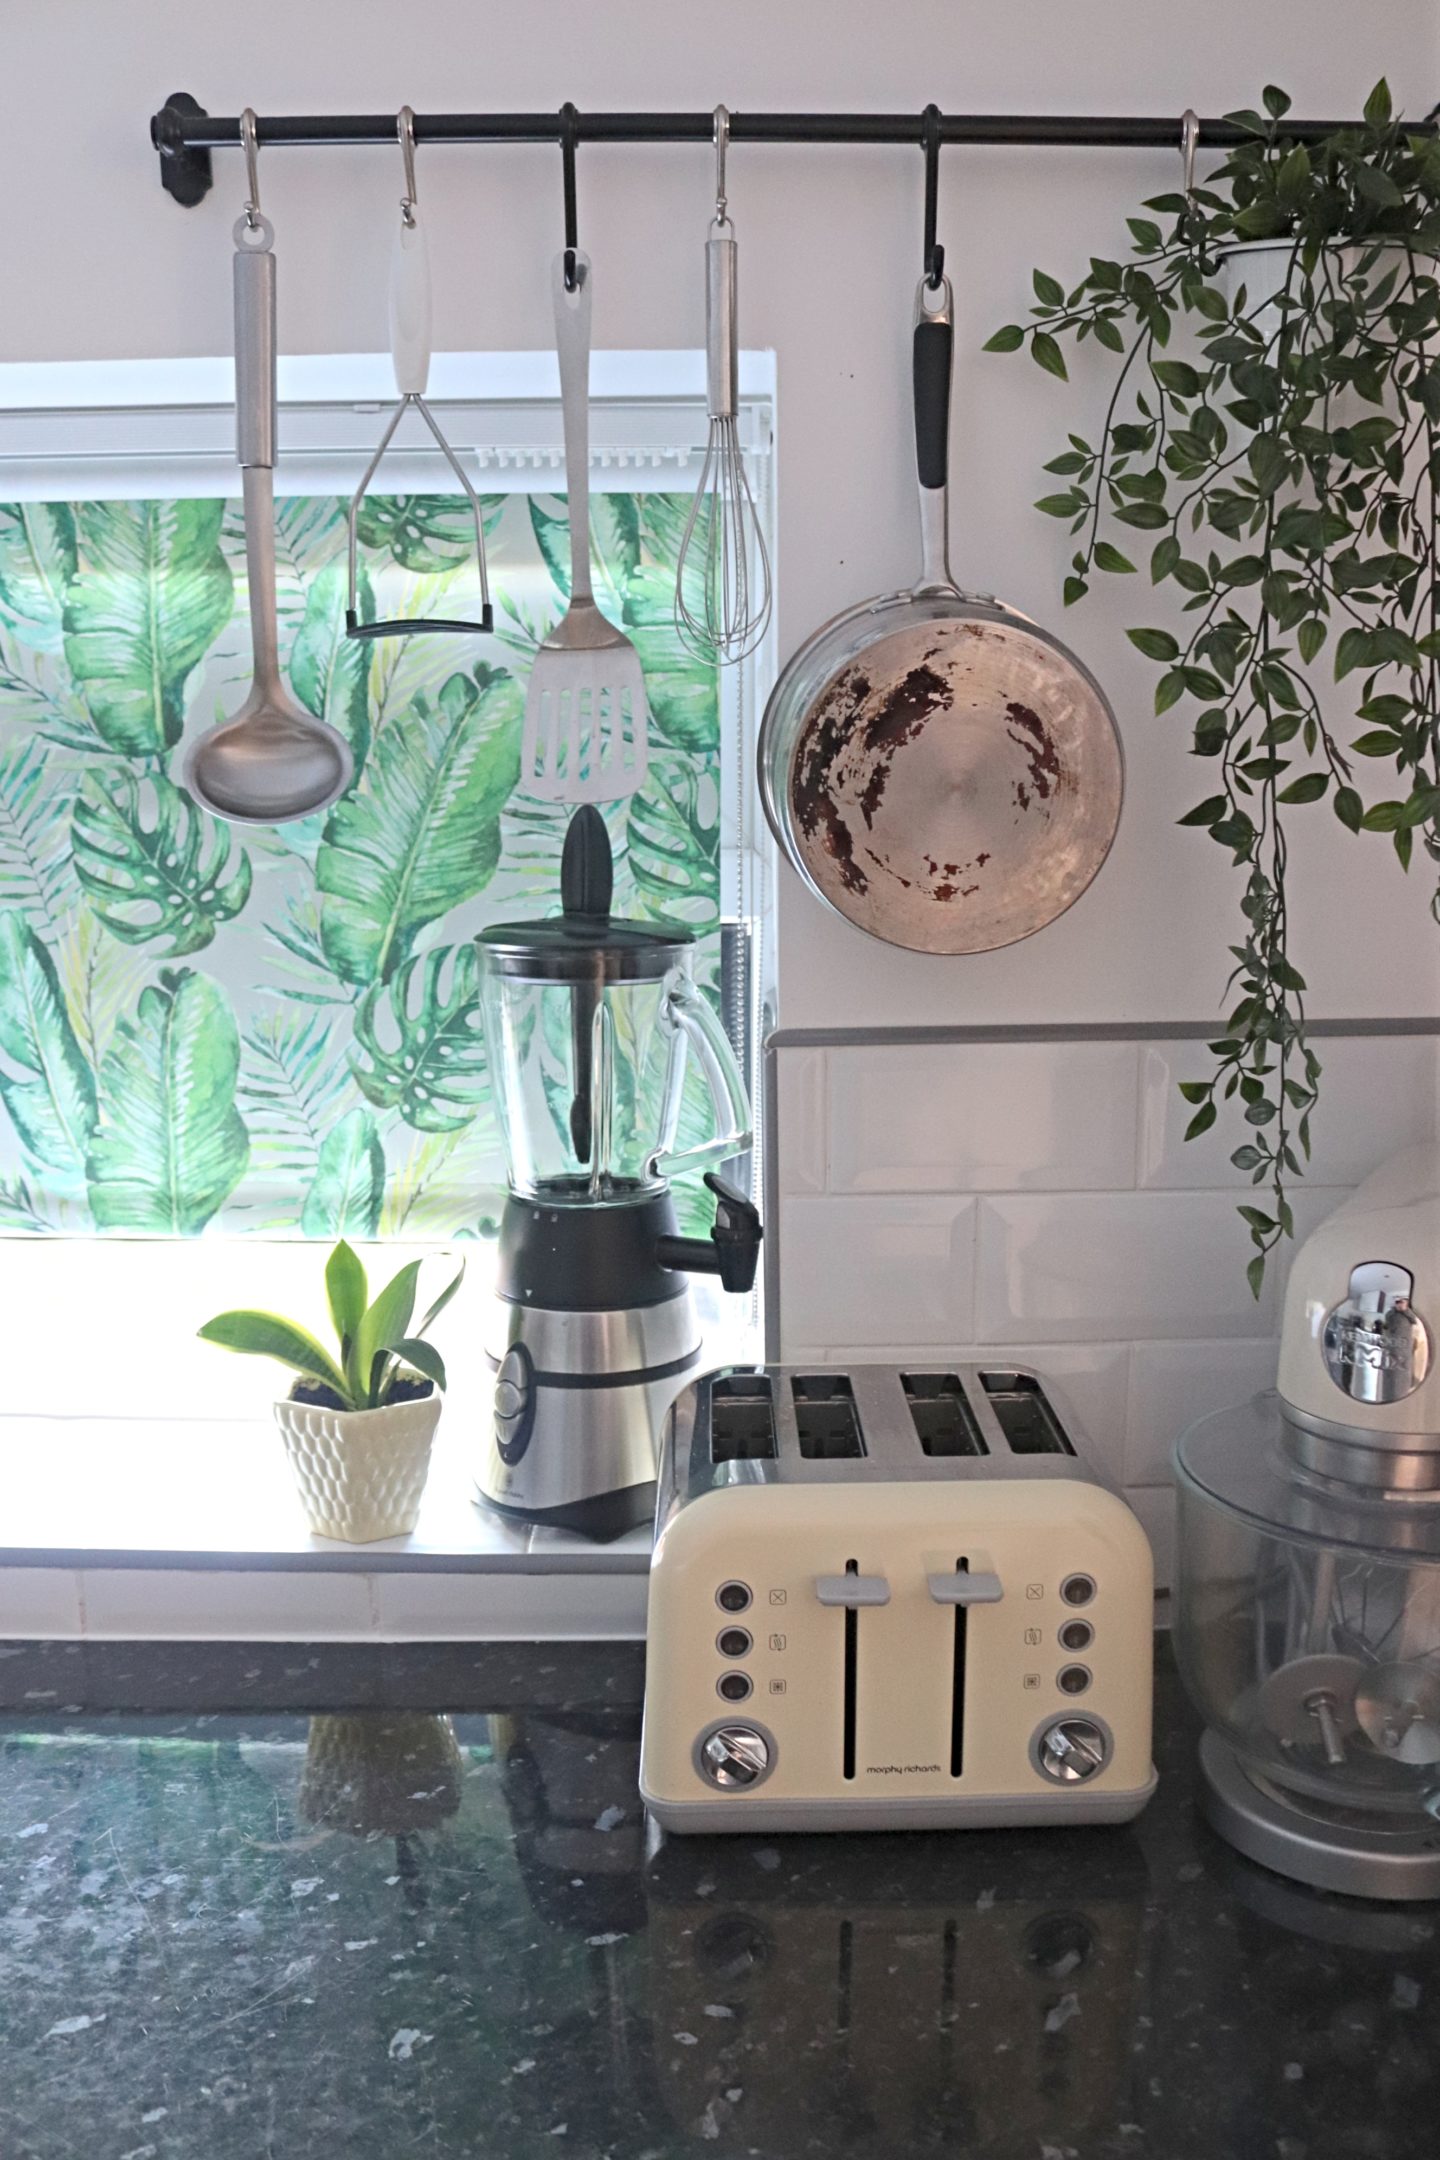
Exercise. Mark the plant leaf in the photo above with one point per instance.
(683, 688)
(385, 1323)
(51, 1100)
(419, 1047)
(674, 840)
(348, 1187)
(346, 1289)
(434, 1311)
(422, 833)
(152, 594)
(170, 1146)
(1007, 339)
(38, 561)
(425, 533)
(1047, 354)
(154, 863)
(263, 1334)
(1155, 644)
(614, 545)
(425, 1358)
(330, 672)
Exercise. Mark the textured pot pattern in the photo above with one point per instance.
(360, 1472)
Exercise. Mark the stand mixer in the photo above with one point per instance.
(589, 1024)
(1308, 1599)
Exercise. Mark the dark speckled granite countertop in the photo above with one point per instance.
(235, 1930)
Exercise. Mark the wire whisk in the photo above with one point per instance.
(722, 577)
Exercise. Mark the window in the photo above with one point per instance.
(228, 1030)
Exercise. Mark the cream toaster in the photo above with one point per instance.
(885, 1599)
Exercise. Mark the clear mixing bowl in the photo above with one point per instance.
(1307, 1622)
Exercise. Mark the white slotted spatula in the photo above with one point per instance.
(587, 723)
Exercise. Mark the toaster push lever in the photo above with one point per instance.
(966, 1586)
(852, 1590)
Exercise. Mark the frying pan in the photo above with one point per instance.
(941, 771)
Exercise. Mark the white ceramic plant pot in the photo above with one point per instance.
(360, 1472)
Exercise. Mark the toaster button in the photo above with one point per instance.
(735, 1756)
(966, 1586)
(852, 1590)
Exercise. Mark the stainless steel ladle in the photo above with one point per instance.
(272, 762)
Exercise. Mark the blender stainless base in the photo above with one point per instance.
(1329, 1848)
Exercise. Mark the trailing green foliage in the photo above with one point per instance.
(1285, 477)
(377, 1348)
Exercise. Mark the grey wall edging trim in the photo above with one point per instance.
(1066, 1031)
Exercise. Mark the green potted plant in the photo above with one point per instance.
(357, 1427)
(1283, 468)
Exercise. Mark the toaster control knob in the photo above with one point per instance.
(735, 1756)
(1072, 1750)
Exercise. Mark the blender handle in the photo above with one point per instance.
(693, 1016)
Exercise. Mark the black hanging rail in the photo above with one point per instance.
(185, 134)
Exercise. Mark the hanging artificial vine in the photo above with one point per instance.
(1289, 472)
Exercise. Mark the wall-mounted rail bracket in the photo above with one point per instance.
(184, 173)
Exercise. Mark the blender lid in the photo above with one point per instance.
(585, 938)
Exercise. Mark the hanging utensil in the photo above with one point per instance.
(722, 574)
(410, 352)
(940, 770)
(586, 735)
(272, 762)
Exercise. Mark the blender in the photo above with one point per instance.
(1308, 1598)
(590, 1022)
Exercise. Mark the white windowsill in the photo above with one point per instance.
(119, 1528)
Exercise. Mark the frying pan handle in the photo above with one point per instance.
(934, 353)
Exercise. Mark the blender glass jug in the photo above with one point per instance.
(589, 1024)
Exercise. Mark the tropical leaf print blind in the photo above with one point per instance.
(205, 1027)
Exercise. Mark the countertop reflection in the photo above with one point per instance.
(240, 1932)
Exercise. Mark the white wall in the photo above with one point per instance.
(97, 262)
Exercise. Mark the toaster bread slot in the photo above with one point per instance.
(1024, 1414)
(943, 1420)
(826, 1423)
(742, 1418)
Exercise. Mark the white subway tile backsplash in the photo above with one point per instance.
(1130, 1266)
(1377, 1094)
(1155, 1506)
(1174, 1383)
(982, 1117)
(800, 1119)
(895, 1272)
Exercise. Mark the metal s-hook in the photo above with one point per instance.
(1189, 144)
(722, 145)
(568, 120)
(405, 131)
(250, 143)
(930, 144)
